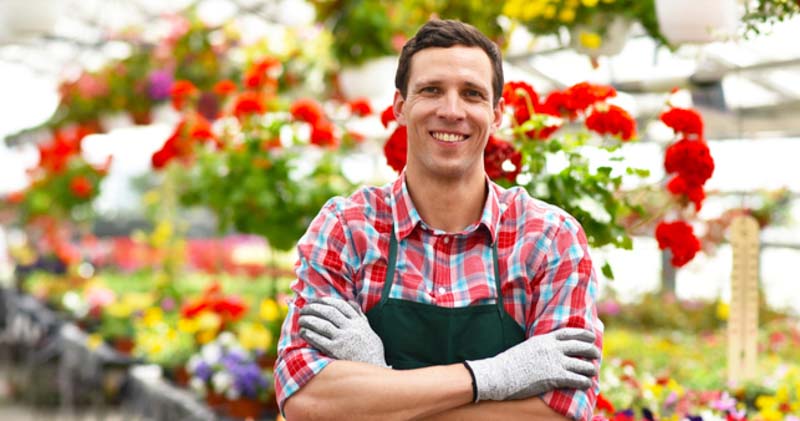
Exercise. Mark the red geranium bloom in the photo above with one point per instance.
(679, 237)
(307, 110)
(201, 128)
(258, 74)
(322, 134)
(224, 87)
(248, 102)
(691, 159)
(180, 91)
(387, 116)
(396, 149)
(497, 152)
(615, 121)
(579, 97)
(360, 107)
(167, 153)
(81, 187)
(685, 121)
(229, 308)
(520, 95)
(679, 186)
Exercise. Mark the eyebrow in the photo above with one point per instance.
(468, 84)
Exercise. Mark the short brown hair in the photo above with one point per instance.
(447, 33)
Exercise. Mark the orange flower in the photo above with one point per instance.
(16, 197)
(249, 102)
(307, 110)
(81, 187)
(259, 73)
(224, 87)
(360, 107)
(180, 91)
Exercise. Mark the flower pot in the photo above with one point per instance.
(123, 345)
(697, 21)
(180, 376)
(214, 399)
(245, 408)
(611, 31)
(374, 80)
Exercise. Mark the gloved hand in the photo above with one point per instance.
(341, 330)
(539, 364)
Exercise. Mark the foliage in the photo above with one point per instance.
(761, 14)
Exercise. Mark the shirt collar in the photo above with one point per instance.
(406, 218)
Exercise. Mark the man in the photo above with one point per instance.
(442, 295)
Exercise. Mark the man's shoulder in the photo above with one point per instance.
(521, 206)
(363, 204)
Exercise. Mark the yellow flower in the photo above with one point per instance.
(206, 336)
(153, 316)
(550, 11)
(254, 336)
(138, 300)
(208, 321)
(673, 386)
(765, 401)
(567, 15)
(162, 234)
(187, 325)
(589, 3)
(723, 309)
(590, 40)
(119, 309)
(268, 310)
(93, 341)
(151, 197)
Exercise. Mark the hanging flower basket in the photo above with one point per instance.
(605, 36)
(697, 21)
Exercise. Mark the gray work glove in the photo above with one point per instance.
(538, 365)
(341, 330)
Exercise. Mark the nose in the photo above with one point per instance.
(451, 107)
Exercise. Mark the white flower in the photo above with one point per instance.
(198, 386)
(232, 394)
(221, 381)
(226, 339)
(194, 361)
(211, 353)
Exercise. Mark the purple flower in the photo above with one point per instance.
(203, 371)
(724, 403)
(159, 84)
(168, 304)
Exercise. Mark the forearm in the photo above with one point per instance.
(358, 391)
(524, 409)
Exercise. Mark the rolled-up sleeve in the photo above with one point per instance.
(565, 295)
(323, 270)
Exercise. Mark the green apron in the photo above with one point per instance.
(418, 335)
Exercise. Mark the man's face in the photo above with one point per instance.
(448, 111)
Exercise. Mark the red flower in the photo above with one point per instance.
(81, 187)
(387, 116)
(520, 95)
(167, 153)
(248, 102)
(691, 159)
(360, 107)
(307, 110)
(322, 134)
(603, 404)
(180, 91)
(685, 121)
(579, 97)
(224, 87)
(497, 152)
(679, 237)
(615, 121)
(53, 156)
(396, 149)
(679, 186)
(258, 74)
(201, 128)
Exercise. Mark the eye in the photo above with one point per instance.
(473, 93)
(430, 90)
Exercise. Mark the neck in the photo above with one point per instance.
(448, 204)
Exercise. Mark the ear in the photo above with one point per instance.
(497, 112)
(397, 107)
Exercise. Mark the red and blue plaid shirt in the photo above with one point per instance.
(548, 280)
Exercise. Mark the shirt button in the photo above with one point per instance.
(447, 240)
(442, 290)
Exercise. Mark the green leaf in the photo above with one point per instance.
(607, 272)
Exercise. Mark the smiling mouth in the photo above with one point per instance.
(449, 137)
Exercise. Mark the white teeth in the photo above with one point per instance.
(448, 137)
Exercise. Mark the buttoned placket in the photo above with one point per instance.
(441, 273)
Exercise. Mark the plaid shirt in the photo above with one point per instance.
(548, 280)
